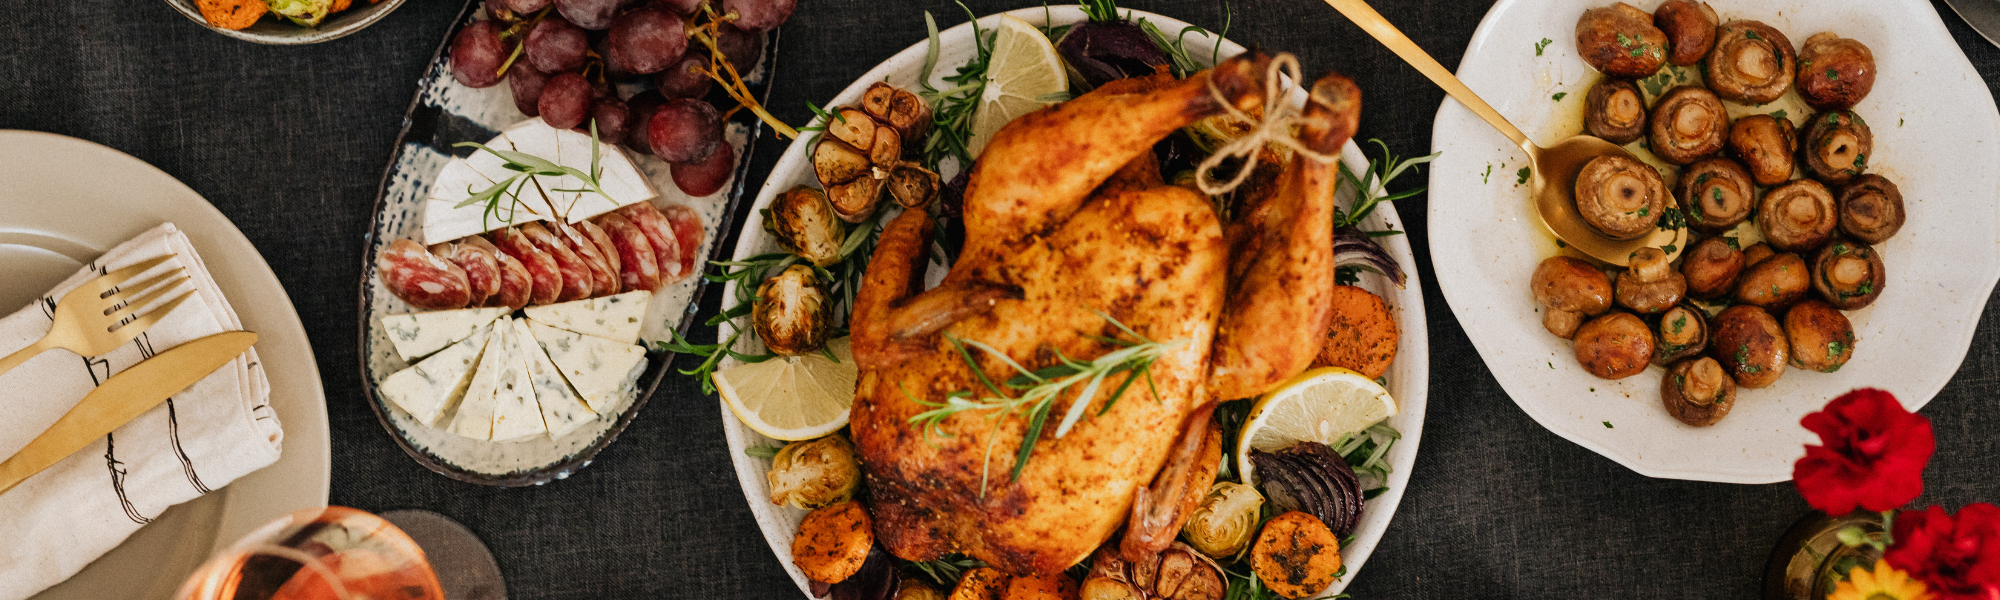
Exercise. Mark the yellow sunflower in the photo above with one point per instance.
(1886, 583)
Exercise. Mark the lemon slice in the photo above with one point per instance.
(1024, 67)
(792, 397)
(1319, 405)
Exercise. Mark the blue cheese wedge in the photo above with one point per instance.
(563, 411)
(433, 386)
(601, 370)
(474, 418)
(616, 318)
(417, 335)
(516, 415)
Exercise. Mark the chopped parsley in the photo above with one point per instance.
(1833, 75)
(1733, 244)
(1669, 249)
(1780, 115)
(1645, 210)
(1545, 43)
(1488, 175)
(1559, 96)
(1680, 323)
(1833, 350)
(1522, 176)
(1752, 35)
(1624, 41)
(1607, 425)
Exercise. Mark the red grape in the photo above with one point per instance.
(686, 79)
(527, 83)
(684, 130)
(520, 7)
(565, 100)
(760, 15)
(642, 106)
(612, 68)
(476, 55)
(704, 177)
(556, 45)
(742, 48)
(613, 119)
(680, 7)
(595, 15)
(646, 40)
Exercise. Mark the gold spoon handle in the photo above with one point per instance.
(1372, 22)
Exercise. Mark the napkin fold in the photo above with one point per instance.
(197, 441)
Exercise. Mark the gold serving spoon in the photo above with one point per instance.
(1555, 167)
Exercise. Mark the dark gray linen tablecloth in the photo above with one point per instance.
(291, 142)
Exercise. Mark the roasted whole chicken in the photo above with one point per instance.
(1067, 215)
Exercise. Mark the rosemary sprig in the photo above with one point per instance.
(1100, 10)
(1371, 187)
(1183, 63)
(952, 107)
(946, 570)
(1040, 388)
(526, 168)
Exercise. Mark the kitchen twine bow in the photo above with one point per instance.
(1274, 128)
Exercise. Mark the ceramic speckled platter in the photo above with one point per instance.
(1937, 135)
(276, 31)
(1408, 377)
(444, 113)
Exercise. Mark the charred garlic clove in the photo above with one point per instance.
(791, 313)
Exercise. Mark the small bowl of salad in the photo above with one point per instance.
(285, 22)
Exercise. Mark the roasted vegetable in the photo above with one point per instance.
(1569, 291)
(1711, 267)
(1835, 147)
(915, 588)
(1178, 573)
(1296, 555)
(833, 542)
(1048, 586)
(1798, 216)
(1775, 282)
(791, 314)
(912, 185)
(1752, 62)
(900, 109)
(863, 146)
(1690, 28)
(877, 580)
(984, 583)
(1310, 477)
(1682, 332)
(815, 473)
(804, 222)
(1835, 72)
(1614, 346)
(1615, 111)
(1620, 197)
(1100, 52)
(1750, 346)
(1650, 284)
(1697, 391)
(1848, 274)
(1871, 209)
(232, 14)
(1621, 41)
(1363, 336)
(1822, 338)
(1226, 520)
(1688, 124)
(307, 13)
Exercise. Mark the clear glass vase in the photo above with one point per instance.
(1810, 559)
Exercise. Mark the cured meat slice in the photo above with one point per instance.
(596, 235)
(420, 278)
(688, 231)
(516, 284)
(482, 269)
(542, 268)
(638, 268)
(660, 234)
(577, 280)
(603, 275)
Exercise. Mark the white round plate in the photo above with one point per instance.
(69, 201)
(1409, 376)
(1937, 135)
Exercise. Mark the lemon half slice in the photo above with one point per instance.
(1024, 68)
(792, 397)
(1319, 405)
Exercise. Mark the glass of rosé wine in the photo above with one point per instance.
(332, 553)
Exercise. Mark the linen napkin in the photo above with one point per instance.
(197, 441)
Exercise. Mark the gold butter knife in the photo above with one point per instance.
(122, 398)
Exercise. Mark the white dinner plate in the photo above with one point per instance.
(67, 201)
(1937, 135)
(1408, 377)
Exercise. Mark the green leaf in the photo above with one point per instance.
(1607, 425)
(1521, 176)
(1545, 43)
(1559, 96)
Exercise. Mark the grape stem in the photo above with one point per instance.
(518, 29)
(709, 34)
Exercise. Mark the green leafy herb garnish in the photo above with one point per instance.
(1780, 115)
(1372, 185)
(952, 107)
(763, 452)
(526, 168)
(1546, 41)
(1521, 176)
(1559, 96)
(1607, 425)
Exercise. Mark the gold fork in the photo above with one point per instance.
(99, 315)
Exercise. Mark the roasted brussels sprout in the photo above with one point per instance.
(791, 313)
(1798, 216)
(1836, 146)
(1621, 41)
(815, 473)
(1620, 197)
(1225, 521)
(1766, 145)
(1688, 124)
(804, 222)
(1650, 284)
(1822, 338)
(916, 588)
(1715, 194)
(1871, 209)
(1682, 332)
(1690, 28)
(1835, 73)
(1615, 111)
(1775, 282)
(1750, 345)
(1614, 346)
(1711, 267)
(1848, 274)
(1698, 392)
(1752, 62)
(1569, 290)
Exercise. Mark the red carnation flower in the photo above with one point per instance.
(1959, 558)
(1873, 457)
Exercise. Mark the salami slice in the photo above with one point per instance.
(604, 276)
(577, 281)
(516, 285)
(482, 270)
(596, 235)
(660, 234)
(542, 269)
(637, 266)
(420, 278)
(688, 231)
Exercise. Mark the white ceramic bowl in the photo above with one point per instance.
(277, 31)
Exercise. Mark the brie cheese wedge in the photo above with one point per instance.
(617, 175)
(616, 318)
(515, 412)
(601, 370)
(563, 411)
(475, 412)
(431, 387)
(417, 335)
(541, 198)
